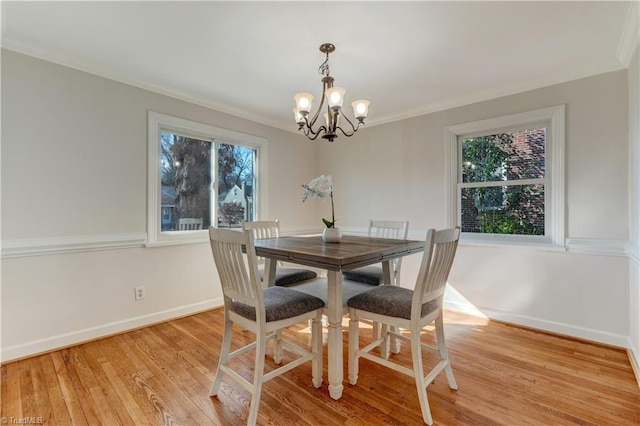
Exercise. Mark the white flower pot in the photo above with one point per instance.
(331, 235)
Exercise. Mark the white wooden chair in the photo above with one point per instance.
(373, 274)
(411, 310)
(189, 224)
(265, 312)
(284, 276)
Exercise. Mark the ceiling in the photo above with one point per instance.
(249, 58)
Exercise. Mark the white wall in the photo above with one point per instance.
(582, 292)
(74, 173)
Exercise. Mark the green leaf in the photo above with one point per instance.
(327, 223)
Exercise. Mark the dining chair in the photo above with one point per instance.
(189, 224)
(263, 311)
(284, 276)
(373, 274)
(411, 310)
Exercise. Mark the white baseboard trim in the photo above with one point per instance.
(593, 335)
(634, 359)
(28, 349)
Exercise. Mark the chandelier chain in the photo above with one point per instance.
(324, 67)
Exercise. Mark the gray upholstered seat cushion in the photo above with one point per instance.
(280, 303)
(389, 300)
(371, 274)
(288, 276)
(319, 287)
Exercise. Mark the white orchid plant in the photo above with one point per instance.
(321, 188)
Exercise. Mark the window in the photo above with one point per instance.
(506, 178)
(200, 175)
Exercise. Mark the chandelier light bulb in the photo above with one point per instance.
(360, 109)
(303, 102)
(335, 97)
(298, 117)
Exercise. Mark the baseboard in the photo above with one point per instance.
(36, 347)
(634, 359)
(584, 333)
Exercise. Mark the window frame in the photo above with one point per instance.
(553, 118)
(158, 123)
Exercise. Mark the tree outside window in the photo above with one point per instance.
(502, 182)
(188, 166)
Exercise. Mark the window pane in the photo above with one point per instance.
(236, 185)
(504, 156)
(515, 210)
(185, 165)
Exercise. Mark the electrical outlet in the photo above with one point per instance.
(139, 292)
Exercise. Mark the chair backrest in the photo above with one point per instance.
(439, 252)
(395, 229)
(262, 228)
(189, 224)
(235, 259)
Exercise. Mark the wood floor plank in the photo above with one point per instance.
(73, 402)
(161, 375)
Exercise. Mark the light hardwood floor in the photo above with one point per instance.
(161, 375)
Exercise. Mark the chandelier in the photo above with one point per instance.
(334, 97)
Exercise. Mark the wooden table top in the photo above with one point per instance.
(352, 252)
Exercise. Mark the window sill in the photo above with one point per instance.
(500, 241)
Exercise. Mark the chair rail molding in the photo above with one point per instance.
(61, 245)
(598, 246)
(633, 250)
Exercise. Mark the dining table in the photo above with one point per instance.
(350, 252)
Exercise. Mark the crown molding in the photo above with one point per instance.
(630, 36)
(485, 95)
(628, 41)
(20, 46)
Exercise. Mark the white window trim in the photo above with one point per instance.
(158, 122)
(555, 170)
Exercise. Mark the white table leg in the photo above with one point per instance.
(334, 343)
(387, 273)
(269, 280)
(270, 266)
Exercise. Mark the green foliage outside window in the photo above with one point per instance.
(504, 209)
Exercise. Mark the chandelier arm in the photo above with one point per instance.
(353, 128)
(315, 134)
(315, 116)
(345, 133)
(308, 129)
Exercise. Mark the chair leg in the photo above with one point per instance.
(224, 354)
(353, 346)
(386, 342)
(416, 355)
(316, 347)
(375, 330)
(442, 348)
(258, 377)
(277, 347)
(395, 343)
